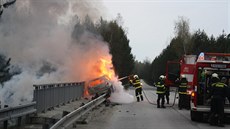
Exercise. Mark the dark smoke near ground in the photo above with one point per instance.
(37, 36)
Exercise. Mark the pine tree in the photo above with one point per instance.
(122, 58)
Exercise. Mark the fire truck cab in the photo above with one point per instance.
(208, 63)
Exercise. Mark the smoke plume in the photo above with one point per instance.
(37, 36)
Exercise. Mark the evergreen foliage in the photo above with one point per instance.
(115, 35)
(185, 43)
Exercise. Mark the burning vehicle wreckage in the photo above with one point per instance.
(99, 86)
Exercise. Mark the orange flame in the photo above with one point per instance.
(106, 68)
(103, 67)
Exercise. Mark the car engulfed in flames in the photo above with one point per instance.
(103, 82)
(99, 86)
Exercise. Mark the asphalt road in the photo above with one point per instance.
(143, 115)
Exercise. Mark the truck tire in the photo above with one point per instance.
(196, 116)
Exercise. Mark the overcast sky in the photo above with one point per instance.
(150, 23)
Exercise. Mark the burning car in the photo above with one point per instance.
(99, 86)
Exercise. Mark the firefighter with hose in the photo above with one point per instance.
(138, 88)
(160, 92)
(167, 92)
(182, 90)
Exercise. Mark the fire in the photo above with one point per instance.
(106, 68)
(103, 67)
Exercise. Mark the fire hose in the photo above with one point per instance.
(174, 100)
(119, 79)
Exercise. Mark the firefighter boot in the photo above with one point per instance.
(163, 103)
(167, 99)
(142, 98)
(138, 99)
(158, 104)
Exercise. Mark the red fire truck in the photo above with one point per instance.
(198, 73)
(208, 63)
(185, 66)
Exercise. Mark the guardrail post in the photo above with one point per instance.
(5, 124)
(19, 121)
(16, 113)
(44, 99)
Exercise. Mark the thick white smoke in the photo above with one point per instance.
(34, 33)
(120, 95)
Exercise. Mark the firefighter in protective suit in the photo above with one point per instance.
(182, 90)
(218, 93)
(167, 92)
(138, 88)
(160, 92)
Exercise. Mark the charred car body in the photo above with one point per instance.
(99, 86)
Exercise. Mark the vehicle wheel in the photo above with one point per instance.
(196, 116)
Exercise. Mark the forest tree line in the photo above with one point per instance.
(183, 43)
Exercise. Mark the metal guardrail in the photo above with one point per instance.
(70, 118)
(18, 111)
(51, 95)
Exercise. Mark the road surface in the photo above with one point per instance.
(143, 115)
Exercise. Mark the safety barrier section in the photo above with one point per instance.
(48, 96)
(72, 117)
(17, 111)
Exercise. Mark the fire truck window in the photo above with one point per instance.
(205, 81)
(173, 71)
(204, 78)
(200, 87)
(172, 77)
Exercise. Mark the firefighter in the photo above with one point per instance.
(218, 94)
(167, 92)
(160, 92)
(138, 88)
(182, 90)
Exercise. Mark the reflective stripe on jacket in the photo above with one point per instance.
(219, 84)
(183, 88)
(218, 89)
(137, 83)
(160, 88)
